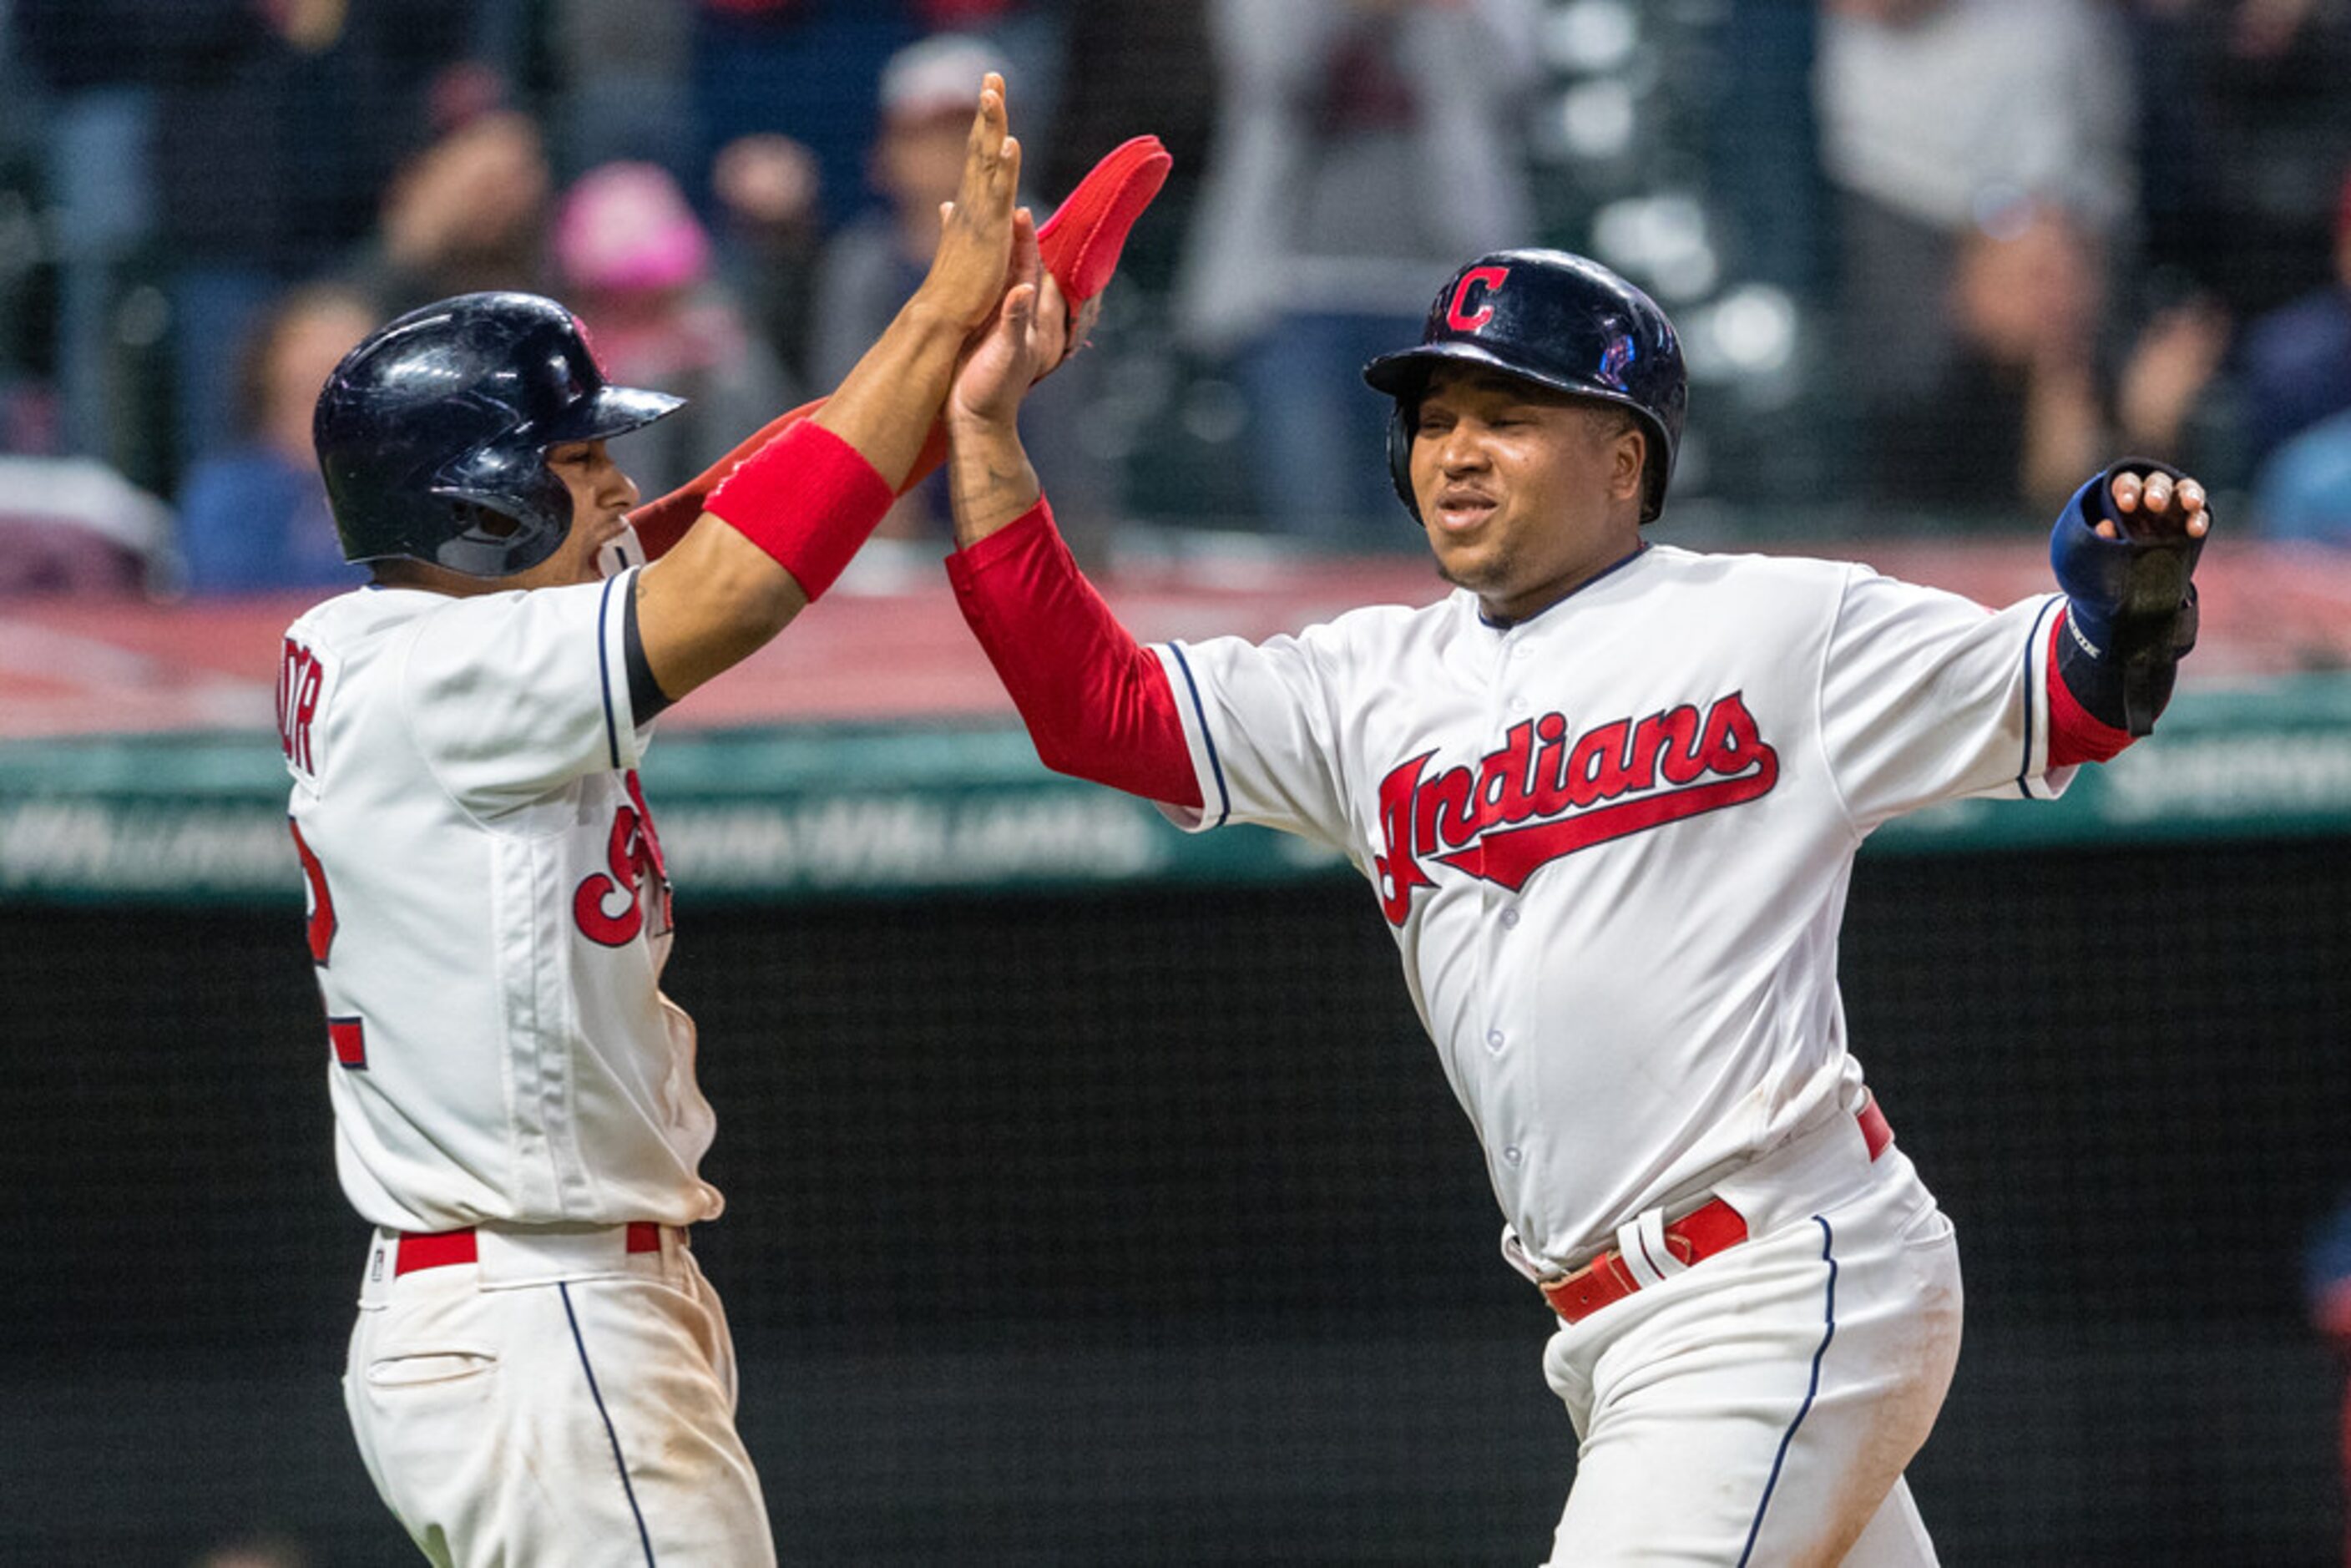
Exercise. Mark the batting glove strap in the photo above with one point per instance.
(2131, 604)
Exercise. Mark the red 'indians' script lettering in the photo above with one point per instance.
(300, 676)
(1543, 794)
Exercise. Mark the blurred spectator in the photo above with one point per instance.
(767, 193)
(1363, 147)
(467, 212)
(2303, 491)
(1940, 121)
(273, 125)
(2029, 401)
(2293, 368)
(72, 525)
(624, 95)
(2241, 139)
(870, 267)
(810, 69)
(806, 69)
(1763, 150)
(635, 263)
(1126, 89)
(101, 204)
(254, 517)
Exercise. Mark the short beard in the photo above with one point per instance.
(1493, 570)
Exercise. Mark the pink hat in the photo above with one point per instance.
(626, 226)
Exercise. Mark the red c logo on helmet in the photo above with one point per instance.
(1459, 318)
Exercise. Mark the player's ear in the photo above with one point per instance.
(1628, 460)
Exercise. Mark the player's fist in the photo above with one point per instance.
(2148, 501)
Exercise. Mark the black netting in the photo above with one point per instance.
(1141, 1227)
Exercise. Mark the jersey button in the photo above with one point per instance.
(1511, 918)
(1494, 1040)
(1512, 1156)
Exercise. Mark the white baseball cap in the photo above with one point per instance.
(940, 74)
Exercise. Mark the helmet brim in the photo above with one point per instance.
(606, 411)
(1404, 372)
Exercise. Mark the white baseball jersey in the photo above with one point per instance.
(1613, 841)
(489, 915)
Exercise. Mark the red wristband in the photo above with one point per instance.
(808, 498)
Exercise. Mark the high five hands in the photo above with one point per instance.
(1029, 336)
(968, 271)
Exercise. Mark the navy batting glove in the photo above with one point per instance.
(2118, 580)
(2131, 603)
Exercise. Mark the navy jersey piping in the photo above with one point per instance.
(2024, 773)
(604, 673)
(1611, 569)
(1216, 763)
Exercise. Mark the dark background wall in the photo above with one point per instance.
(1142, 1227)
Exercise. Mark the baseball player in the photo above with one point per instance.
(1607, 796)
(539, 1373)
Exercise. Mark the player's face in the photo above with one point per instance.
(1524, 492)
(602, 497)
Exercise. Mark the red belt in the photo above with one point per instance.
(437, 1248)
(1701, 1233)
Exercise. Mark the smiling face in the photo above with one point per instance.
(1525, 492)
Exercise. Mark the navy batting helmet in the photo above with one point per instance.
(433, 433)
(1556, 320)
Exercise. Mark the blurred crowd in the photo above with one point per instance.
(1934, 260)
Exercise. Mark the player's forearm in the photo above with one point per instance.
(660, 523)
(990, 481)
(1097, 704)
(887, 404)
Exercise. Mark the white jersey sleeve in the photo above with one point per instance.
(1263, 721)
(1928, 696)
(511, 694)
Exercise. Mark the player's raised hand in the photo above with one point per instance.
(2155, 506)
(967, 271)
(1024, 340)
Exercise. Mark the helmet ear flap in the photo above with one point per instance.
(1401, 420)
(508, 512)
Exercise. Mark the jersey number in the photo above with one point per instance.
(322, 902)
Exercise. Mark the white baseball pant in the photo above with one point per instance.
(1757, 1409)
(562, 1399)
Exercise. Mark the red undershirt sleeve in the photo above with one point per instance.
(1097, 703)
